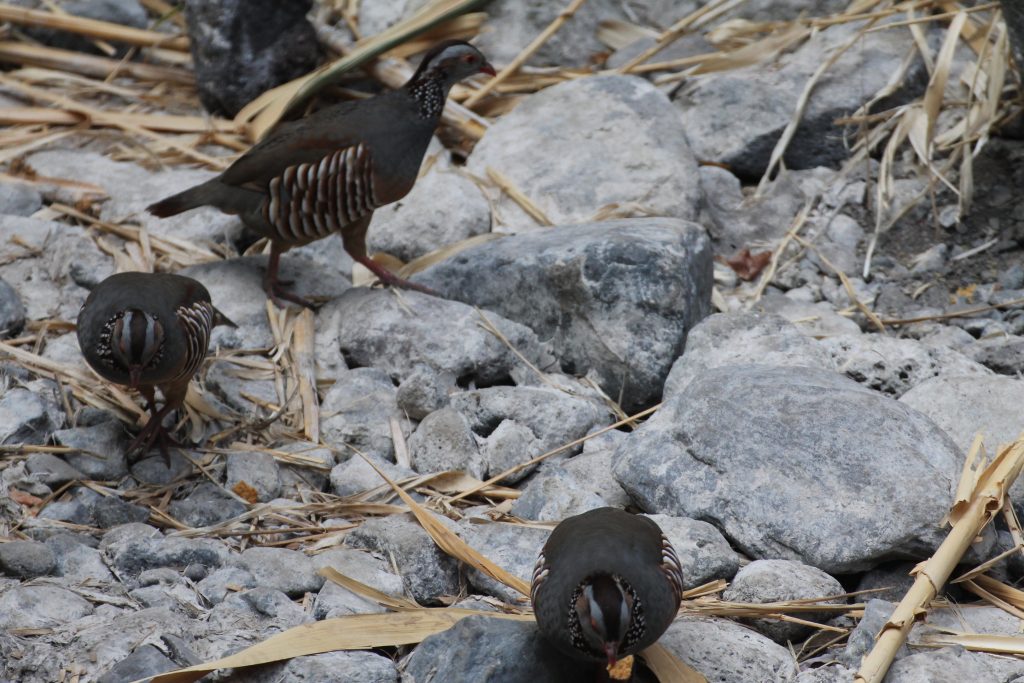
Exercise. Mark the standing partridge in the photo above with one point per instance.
(328, 172)
(606, 585)
(148, 330)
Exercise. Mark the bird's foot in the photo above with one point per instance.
(154, 431)
(277, 293)
(388, 279)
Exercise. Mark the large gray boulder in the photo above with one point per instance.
(590, 143)
(796, 463)
(614, 300)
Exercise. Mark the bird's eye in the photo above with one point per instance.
(469, 59)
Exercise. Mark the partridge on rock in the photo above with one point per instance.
(148, 330)
(606, 585)
(328, 172)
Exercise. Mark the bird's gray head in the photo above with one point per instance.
(604, 606)
(451, 61)
(135, 342)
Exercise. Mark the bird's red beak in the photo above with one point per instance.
(486, 68)
(611, 650)
(134, 376)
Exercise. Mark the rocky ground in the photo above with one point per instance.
(812, 419)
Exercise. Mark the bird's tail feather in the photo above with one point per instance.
(183, 201)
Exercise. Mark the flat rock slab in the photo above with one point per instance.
(614, 299)
(726, 652)
(591, 143)
(796, 463)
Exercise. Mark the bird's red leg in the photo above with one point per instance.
(272, 285)
(353, 237)
(154, 428)
(386, 277)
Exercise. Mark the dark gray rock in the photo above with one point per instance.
(1002, 355)
(102, 449)
(514, 547)
(400, 334)
(206, 505)
(242, 48)
(573, 159)
(111, 511)
(744, 338)
(795, 463)
(781, 580)
(492, 649)
(615, 300)
(26, 559)
(78, 562)
(427, 572)
(764, 98)
(726, 652)
(862, 637)
(134, 553)
(144, 662)
(51, 470)
(289, 571)
(12, 311)
(894, 577)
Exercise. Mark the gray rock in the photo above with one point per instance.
(41, 606)
(703, 552)
(1009, 278)
(818, 320)
(816, 446)
(51, 470)
(954, 664)
(830, 673)
(300, 476)
(555, 493)
(289, 571)
(241, 49)
(862, 637)
(355, 475)
(427, 573)
(12, 311)
(26, 559)
(510, 445)
(221, 582)
(25, 417)
(357, 410)
(556, 148)
(482, 648)
(764, 97)
(134, 554)
(443, 207)
(780, 580)
(444, 441)
(257, 469)
(894, 577)
(77, 562)
(726, 652)
(19, 199)
(144, 662)
(335, 601)
(894, 366)
(206, 505)
(111, 511)
(739, 338)
(424, 390)
(401, 333)
(70, 511)
(337, 667)
(614, 299)
(132, 188)
(1002, 355)
(736, 221)
(513, 547)
(102, 449)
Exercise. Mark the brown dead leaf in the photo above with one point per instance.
(244, 490)
(747, 265)
(24, 498)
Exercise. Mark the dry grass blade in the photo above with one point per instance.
(451, 543)
(968, 521)
(705, 13)
(446, 252)
(355, 632)
(161, 122)
(524, 202)
(101, 67)
(526, 53)
(667, 667)
(305, 368)
(980, 642)
(93, 28)
(266, 110)
(361, 589)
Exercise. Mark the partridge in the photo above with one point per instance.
(148, 331)
(606, 585)
(328, 172)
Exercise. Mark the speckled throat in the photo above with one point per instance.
(634, 633)
(429, 93)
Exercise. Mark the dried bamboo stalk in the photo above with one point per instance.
(305, 368)
(527, 52)
(168, 123)
(17, 52)
(968, 521)
(104, 30)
